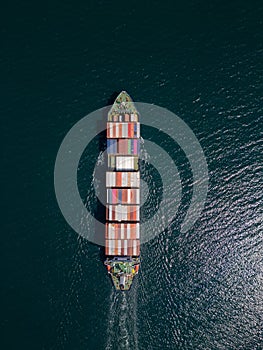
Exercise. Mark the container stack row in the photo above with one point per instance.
(122, 212)
(122, 163)
(123, 196)
(122, 247)
(123, 146)
(124, 117)
(122, 231)
(123, 179)
(122, 236)
(123, 239)
(123, 130)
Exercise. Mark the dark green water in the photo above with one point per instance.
(201, 60)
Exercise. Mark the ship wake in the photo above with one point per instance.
(122, 330)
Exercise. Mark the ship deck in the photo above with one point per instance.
(122, 230)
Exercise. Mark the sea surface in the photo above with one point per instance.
(199, 290)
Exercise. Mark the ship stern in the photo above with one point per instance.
(122, 271)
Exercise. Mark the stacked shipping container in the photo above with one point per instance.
(123, 231)
(123, 146)
(121, 212)
(123, 194)
(123, 130)
(122, 179)
(123, 163)
(123, 247)
(126, 117)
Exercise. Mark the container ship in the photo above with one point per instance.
(122, 229)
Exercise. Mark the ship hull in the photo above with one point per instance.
(122, 229)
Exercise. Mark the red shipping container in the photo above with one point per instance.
(118, 179)
(129, 250)
(124, 196)
(111, 215)
(121, 146)
(134, 213)
(108, 130)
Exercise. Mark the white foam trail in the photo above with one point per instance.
(122, 321)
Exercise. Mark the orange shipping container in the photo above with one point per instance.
(118, 174)
(132, 129)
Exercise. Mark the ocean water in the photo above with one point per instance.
(201, 60)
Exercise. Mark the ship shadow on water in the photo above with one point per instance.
(92, 176)
(100, 208)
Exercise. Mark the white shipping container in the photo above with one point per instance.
(135, 179)
(125, 245)
(124, 163)
(110, 232)
(131, 163)
(129, 196)
(107, 179)
(111, 129)
(122, 231)
(124, 213)
(110, 247)
(137, 230)
(117, 130)
(134, 248)
(119, 247)
(110, 179)
(128, 232)
(118, 213)
(124, 179)
(138, 130)
(124, 130)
